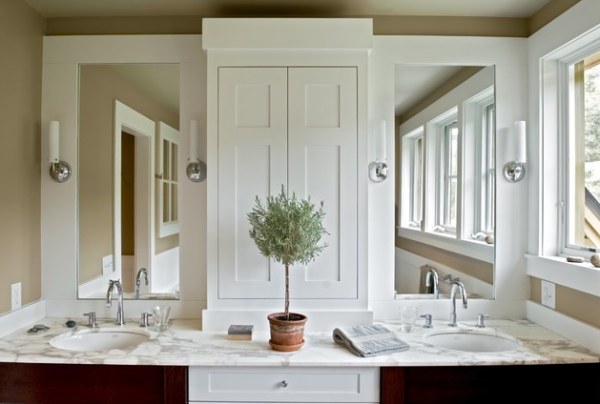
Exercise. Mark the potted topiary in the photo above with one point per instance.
(287, 230)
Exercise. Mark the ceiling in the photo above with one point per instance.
(303, 8)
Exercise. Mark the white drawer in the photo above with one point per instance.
(284, 384)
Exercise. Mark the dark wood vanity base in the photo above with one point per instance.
(565, 383)
(69, 383)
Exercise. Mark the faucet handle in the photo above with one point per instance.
(428, 320)
(91, 319)
(144, 319)
(481, 320)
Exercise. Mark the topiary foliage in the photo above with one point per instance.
(287, 230)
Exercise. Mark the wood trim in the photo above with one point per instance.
(480, 384)
(392, 385)
(175, 384)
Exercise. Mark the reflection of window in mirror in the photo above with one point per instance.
(169, 181)
(446, 186)
(458, 199)
(415, 153)
(446, 200)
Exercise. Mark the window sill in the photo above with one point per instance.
(474, 249)
(583, 277)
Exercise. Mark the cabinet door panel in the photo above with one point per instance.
(322, 164)
(252, 161)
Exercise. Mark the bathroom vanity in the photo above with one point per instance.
(185, 364)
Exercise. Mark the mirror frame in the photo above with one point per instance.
(62, 57)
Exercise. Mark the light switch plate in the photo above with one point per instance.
(15, 296)
(107, 265)
(548, 294)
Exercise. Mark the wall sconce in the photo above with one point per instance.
(514, 171)
(196, 169)
(378, 169)
(60, 171)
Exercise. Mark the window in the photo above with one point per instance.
(449, 173)
(485, 219)
(442, 137)
(416, 154)
(581, 154)
(168, 181)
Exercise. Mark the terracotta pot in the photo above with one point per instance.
(287, 335)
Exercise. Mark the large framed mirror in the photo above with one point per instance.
(128, 204)
(445, 188)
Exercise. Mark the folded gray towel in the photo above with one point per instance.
(369, 340)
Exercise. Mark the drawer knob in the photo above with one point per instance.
(283, 384)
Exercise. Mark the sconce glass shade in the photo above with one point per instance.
(60, 172)
(196, 171)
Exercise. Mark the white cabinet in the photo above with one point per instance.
(286, 105)
(283, 384)
(297, 128)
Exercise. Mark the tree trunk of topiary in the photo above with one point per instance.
(287, 292)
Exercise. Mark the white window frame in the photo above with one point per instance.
(437, 130)
(547, 260)
(478, 205)
(171, 135)
(413, 173)
(487, 185)
(447, 178)
(567, 182)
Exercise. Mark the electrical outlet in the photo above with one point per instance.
(107, 265)
(548, 294)
(15, 296)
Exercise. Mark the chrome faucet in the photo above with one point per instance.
(455, 286)
(432, 277)
(140, 272)
(111, 285)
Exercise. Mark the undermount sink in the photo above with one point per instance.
(99, 339)
(471, 341)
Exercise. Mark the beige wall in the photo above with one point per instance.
(481, 270)
(21, 33)
(99, 87)
(573, 303)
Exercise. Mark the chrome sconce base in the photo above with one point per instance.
(60, 172)
(378, 171)
(514, 172)
(196, 171)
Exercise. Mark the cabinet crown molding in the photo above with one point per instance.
(287, 33)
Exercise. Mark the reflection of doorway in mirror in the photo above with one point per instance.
(133, 173)
(119, 233)
(128, 210)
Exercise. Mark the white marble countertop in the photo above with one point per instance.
(185, 345)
